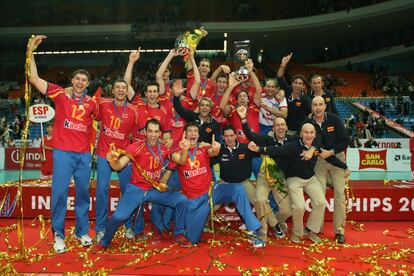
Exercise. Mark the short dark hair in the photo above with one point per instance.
(228, 127)
(301, 77)
(206, 60)
(152, 83)
(238, 93)
(191, 124)
(119, 80)
(82, 72)
(222, 75)
(152, 122)
(317, 76)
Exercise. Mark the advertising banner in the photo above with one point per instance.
(32, 159)
(378, 159)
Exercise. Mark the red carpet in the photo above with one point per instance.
(377, 247)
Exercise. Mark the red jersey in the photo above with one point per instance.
(146, 112)
(252, 119)
(72, 129)
(216, 112)
(250, 91)
(195, 176)
(117, 123)
(150, 159)
(47, 165)
(206, 89)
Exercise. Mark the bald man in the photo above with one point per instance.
(334, 140)
(300, 177)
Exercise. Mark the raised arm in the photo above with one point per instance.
(261, 140)
(178, 89)
(283, 64)
(34, 79)
(222, 68)
(214, 149)
(257, 97)
(133, 57)
(161, 70)
(197, 79)
(225, 108)
(181, 157)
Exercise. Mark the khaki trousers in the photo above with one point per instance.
(324, 171)
(264, 212)
(312, 187)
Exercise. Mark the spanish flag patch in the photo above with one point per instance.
(330, 128)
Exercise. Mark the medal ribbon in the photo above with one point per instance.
(119, 115)
(192, 155)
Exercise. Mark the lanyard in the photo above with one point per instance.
(193, 156)
(119, 115)
(153, 153)
(80, 102)
(203, 86)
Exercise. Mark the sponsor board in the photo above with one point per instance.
(32, 159)
(390, 143)
(378, 159)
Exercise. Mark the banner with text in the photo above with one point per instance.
(378, 159)
(371, 200)
(32, 159)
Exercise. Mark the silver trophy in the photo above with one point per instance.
(242, 53)
(181, 45)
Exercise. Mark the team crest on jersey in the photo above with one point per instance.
(242, 156)
(330, 129)
(298, 104)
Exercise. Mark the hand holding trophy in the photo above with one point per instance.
(242, 53)
(187, 41)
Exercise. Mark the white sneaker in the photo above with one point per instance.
(59, 244)
(129, 233)
(99, 235)
(85, 240)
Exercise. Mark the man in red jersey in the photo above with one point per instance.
(151, 109)
(72, 155)
(230, 111)
(149, 158)
(195, 178)
(216, 113)
(118, 119)
(251, 86)
(207, 86)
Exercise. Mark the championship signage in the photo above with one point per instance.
(41, 113)
(369, 200)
